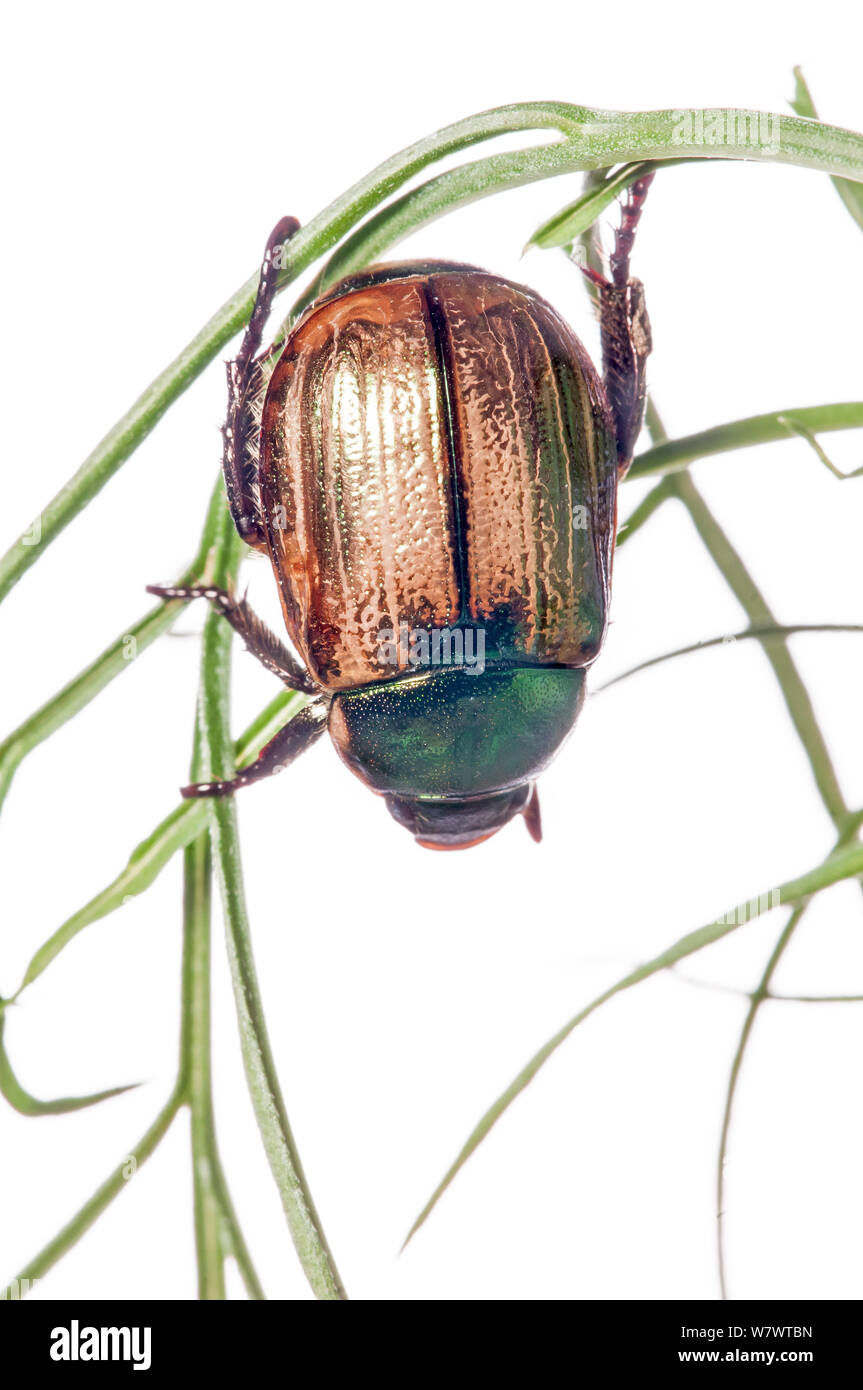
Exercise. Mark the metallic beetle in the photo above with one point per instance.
(430, 461)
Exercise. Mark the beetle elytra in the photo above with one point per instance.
(431, 461)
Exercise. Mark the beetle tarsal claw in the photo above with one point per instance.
(202, 789)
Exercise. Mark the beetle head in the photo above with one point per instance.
(461, 823)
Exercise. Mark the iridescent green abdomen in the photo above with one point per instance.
(453, 734)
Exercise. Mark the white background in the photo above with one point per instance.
(148, 152)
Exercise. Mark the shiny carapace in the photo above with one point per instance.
(430, 460)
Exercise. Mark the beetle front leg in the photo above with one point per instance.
(247, 383)
(259, 639)
(298, 734)
(625, 330)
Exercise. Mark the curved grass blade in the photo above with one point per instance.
(311, 242)
(25, 1104)
(758, 633)
(217, 761)
(562, 229)
(92, 1209)
(850, 193)
(643, 512)
(113, 661)
(217, 1231)
(176, 831)
(771, 997)
(844, 864)
(752, 601)
(795, 427)
(589, 139)
(195, 1061)
(674, 455)
(757, 999)
(797, 699)
(759, 996)
(605, 139)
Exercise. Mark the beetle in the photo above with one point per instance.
(431, 461)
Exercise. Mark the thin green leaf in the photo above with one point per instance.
(759, 996)
(311, 242)
(114, 660)
(643, 512)
(850, 193)
(757, 999)
(797, 699)
(209, 1243)
(217, 761)
(796, 427)
(770, 997)
(752, 601)
(589, 139)
(605, 139)
(571, 222)
(814, 999)
(757, 633)
(176, 831)
(92, 1209)
(217, 1230)
(25, 1104)
(842, 865)
(673, 455)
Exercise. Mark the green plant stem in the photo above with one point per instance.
(771, 997)
(850, 193)
(674, 455)
(795, 427)
(760, 995)
(113, 661)
(814, 999)
(847, 863)
(643, 512)
(572, 221)
(752, 601)
(757, 999)
(802, 714)
(596, 140)
(13, 1092)
(84, 1218)
(195, 1052)
(217, 762)
(750, 633)
(587, 139)
(217, 1229)
(233, 1241)
(175, 832)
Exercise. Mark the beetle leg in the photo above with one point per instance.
(247, 382)
(533, 818)
(297, 735)
(624, 329)
(259, 639)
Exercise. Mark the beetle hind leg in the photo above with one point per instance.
(247, 383)
(297, 735)
(624, 329)
(259, 639)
